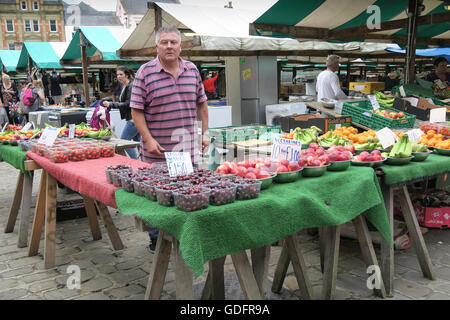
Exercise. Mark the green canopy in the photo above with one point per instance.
(9, 59)
(342, 14)
(99, 39)
(42, 54)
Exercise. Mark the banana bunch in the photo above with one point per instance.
(383, 100)
(402, 148)
(329, 139)
(418, 147)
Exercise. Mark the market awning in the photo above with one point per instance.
(101, 44)
(346, 20)
(435, 52)
(42, 54)
(224, 32)
(9, 59)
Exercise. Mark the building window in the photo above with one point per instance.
(35, 5)
(23, 5)
(12, 46)
(27, 26)
(53, 26)
(9, 26)
(36, 25)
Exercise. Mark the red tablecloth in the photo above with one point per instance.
(86, 177)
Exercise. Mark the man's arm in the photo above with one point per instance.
(151, 144)
(338, 93)
(202, 115)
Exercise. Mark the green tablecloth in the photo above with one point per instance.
(281, 210)
(14, 156)
(435, 164)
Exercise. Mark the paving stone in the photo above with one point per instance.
(126, 276)
(445, 260)
(86, 275)
(106, 269)
(103, 259)
(59, 261)
(142, 297)
(3, 266)
(13, 256)
(8, 283)
(339, 295)
(43, 286)
(97, 284)
(416, 277)
(443, 273)
(398, 296)
(89, 253)
(128, 265)
(126, 291)
(353, 285)
(31, 297)
(16, 272)
(61, 294)
(9, 249)
(444, 288)
(13, 294)
(411, 289)
(94, 296)
(438, 296)
(48, 274)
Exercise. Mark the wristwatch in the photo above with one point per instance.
(206, 133)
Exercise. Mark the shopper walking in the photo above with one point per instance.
(32, 98)
(10, 98)
(167, 99)
(125, 76)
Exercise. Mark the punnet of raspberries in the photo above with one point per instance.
(191, 198)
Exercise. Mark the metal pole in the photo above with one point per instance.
(409, 72)
(85, 72)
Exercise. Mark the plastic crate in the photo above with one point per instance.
(361, 112)
(228, 135)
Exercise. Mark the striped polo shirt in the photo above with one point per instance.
(170, 106)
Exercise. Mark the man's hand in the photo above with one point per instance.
(205, 142)
(153, 146)
(106, 104)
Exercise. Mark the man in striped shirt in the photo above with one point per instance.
(167, 99)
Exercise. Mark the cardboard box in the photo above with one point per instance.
(433, 217)
(307, 120)
(367, 87)
(418, 106)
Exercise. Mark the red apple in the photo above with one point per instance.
(250, 175)
(313, 146)
(350, 148)
(323, 159)
(267, 162)
(256, 171)
(222, 169)
(316, 163)
(309, 160)
(284, 162)
(263, 174)
(302, 162)
(241, 171)
(282, 168)
(293, 166)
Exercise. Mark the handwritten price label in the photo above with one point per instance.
(178, 163)
(71, 130)
(49, 136)
(285, 149)
(374, 102)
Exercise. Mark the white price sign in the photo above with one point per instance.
(4, 127)
(71, 131)
(27, 126)
(438, 115)
(285, 149)
(374, 102)
(415, 134)
(387, 137)
(49, 136)
(178, 163)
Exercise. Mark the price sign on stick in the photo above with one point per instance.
(71, 131)
(285, 149)
(438, 115)
(387, 137)
(415, 134)
(178, 163)
(4, 127)
(374, 102)
(49, 136)
(27, 126)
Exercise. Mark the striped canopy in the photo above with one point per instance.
(342, 14)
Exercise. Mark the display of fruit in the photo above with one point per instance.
(306, 136)
(418, 147)
(362, 137)
(402, 148)
(126, 181)
(389, 114)
(93, 152)
(343, 132)
(164, 193)
(339, 153)
(107, 151)
(191, 198)
(247, 189)
(329, 139)
(77, 154)
(443, 129)
(365, 156)
(115, 169)
(222, 193)
(370, 144)
(150, 187)
(83, 130)
(314, 156)
(383, 100)
(139, 184)
(57, 155)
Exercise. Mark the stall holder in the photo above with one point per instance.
(23, 192)
(395, 180)
(209, 235)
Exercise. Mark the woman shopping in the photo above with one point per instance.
(125, 76)
(32, 98)
(10, 98)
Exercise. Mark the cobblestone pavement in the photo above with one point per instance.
(107, 274)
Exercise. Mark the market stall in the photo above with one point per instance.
(8, 60)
